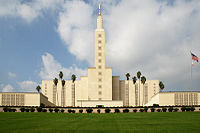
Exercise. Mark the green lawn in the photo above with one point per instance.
(162, 122)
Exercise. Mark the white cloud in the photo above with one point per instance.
(75, 26)
(152, 36)
(8, 88)
(28, 10)
(51, 69)
(11, 75)
(27, 86)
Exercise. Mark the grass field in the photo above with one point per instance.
(157, 122)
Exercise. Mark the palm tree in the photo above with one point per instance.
(73, 89)
(138, 76)
(134, 81)
(61, 75)
(161, 85)
(55, 81)
(143, 80)
(38, 88)
(127, 76)
(127, 89)
(63, 94)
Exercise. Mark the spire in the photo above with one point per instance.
(99, 9)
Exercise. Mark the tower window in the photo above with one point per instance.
(100, 80)
(99, 35)
(99, 41)
(99, 48)
(99, 67)
(99, 92)
(99, 73)
(99, 60)
(99, 54)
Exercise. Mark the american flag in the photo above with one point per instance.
(195, 58)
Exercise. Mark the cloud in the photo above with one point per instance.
(11, 75)
(28, 10)
(27, 86)
(51, 69)
(8, 88)
(75, 26)
(152, 36)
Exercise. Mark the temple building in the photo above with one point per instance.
(101, 89)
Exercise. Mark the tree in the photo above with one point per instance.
(134, 82)
(55, 81)
(61, 75)
(127, 76)
(143, 80)
(73, 89)
(63, 94)
(38, 88)
(161, 85)
(138, 76)
(73, 78)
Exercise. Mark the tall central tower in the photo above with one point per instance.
(99, 42)
(99, 76)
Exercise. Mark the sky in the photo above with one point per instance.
(40, 38)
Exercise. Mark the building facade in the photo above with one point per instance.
(23, 99)
(100, 88)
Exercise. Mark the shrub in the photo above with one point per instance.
(192, 109)
(99, 111)
(164, 109)
(135, 110)
(141, 110)
(107, 110)
(117, 111)
(176, 110)
(11, 110)
(73, 111)
(188, 109)
(22, 109)
(5, 109)
(39, 109)
(44, 110)
(56, 110)
(145, 109)
(89, 110)
(62, 110)
(152, 109)
(51, 110)
(125, 110)
(27, 110)
(80, 111)
(32, 110)
(170, 109)
(183, 109)
(158, 110)
(69, 111)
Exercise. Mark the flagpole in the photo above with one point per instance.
(191, 74)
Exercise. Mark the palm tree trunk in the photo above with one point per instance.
(73, 94)
(143, 96)
(135, 96)
(57, 95)
(139, 92)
